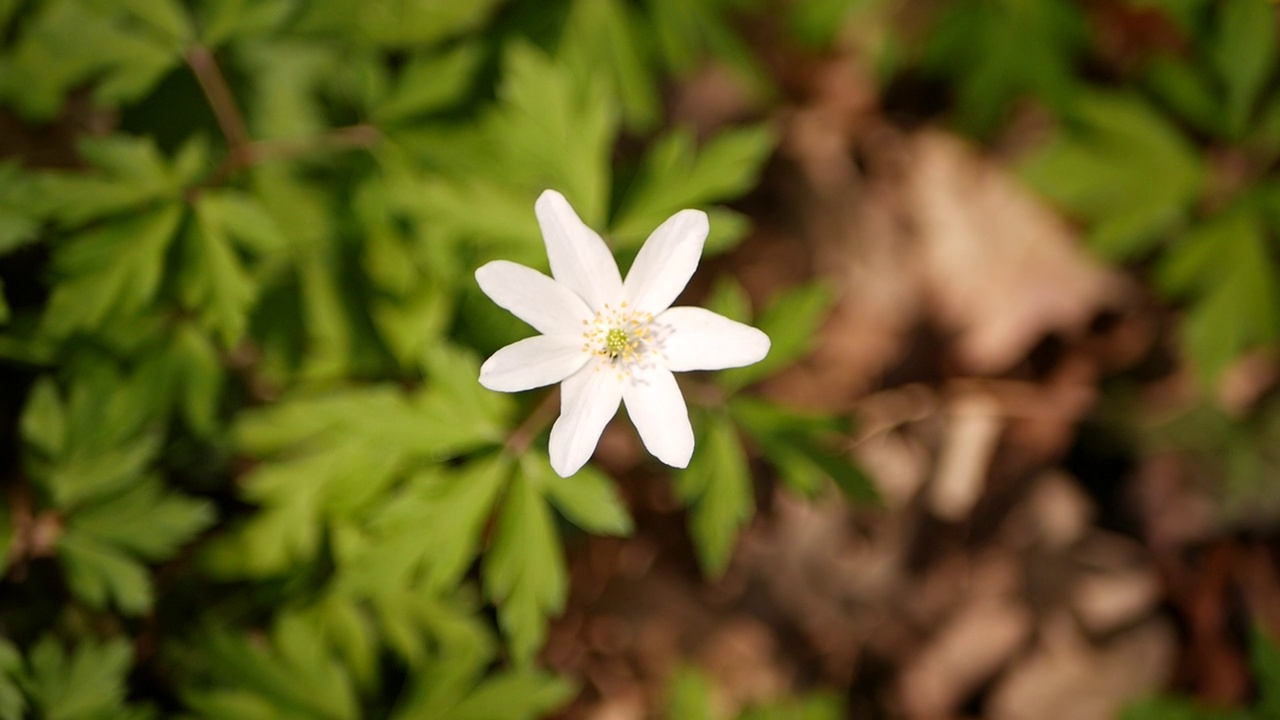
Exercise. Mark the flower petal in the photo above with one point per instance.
(548, 306)
(698, 339)
(533, 362)
(657, 409)
(579, 258)
(588, 400)
(666, 262)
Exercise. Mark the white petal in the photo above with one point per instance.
(698, 339)
(658, 411)
(588, 400)
(551, 308)
(666, 262)
(533, 362)
(579, 258)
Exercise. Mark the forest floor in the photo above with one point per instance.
(1026, 561)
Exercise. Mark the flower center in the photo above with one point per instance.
(616, 341)
(619, 336)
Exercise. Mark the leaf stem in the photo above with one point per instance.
(216, 90)
(244, 152)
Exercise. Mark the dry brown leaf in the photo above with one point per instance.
(1002, 269)
(973, 428)
(1069, 679)
(968, 651)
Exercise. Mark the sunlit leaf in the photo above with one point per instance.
(1122, 168)
(114, 269)
(792, 322)
(1244, 54)
(589, 499)
(998, 50)
(524, 573)
(717, 487)
(88, 681)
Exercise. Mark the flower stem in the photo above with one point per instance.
(542, 416)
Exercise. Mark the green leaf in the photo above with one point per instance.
(213, 281)
(224, 19)
(730, 299)
(1122, 168)
(428, 534)
(1243, 52)
(691, 696)
(674, 176)
(561, 131)
(87, 683)
(428, 82)
(295, 676)
(524, 573)
(718, 490)
(998, 50)
(12, 703)
(791, 322)
(818, 706)
(1188, 89)
(396, 23)
(1225, 266)
(454, 686)
(88, 472)
(804, 447)
(44, 422)
(110, 271)
(164, 18)
(516, 695)
(66, 43)
(445, 641)
(589, 499)
(339, 452)
(243, 218)
(454, 373)
(1177, 709)
(98, 574)
(1264, 657)
(688, 33)
(188, 377)
(144, 520)
(19, 216)
(610, 35)
(286, 75)
(130, 174)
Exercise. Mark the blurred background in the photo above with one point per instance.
(1015, 452)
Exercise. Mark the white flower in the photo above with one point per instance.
(610, 341)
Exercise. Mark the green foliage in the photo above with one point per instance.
(692, 695)
(1225, 265)
(1145, 189)
(999, 50)
(1220, 88)
(717, 485)
(804, 448)
(1121, 167)
(86, 682)
(240, 324)
(125, 47)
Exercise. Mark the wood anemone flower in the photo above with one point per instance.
(608, 340)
